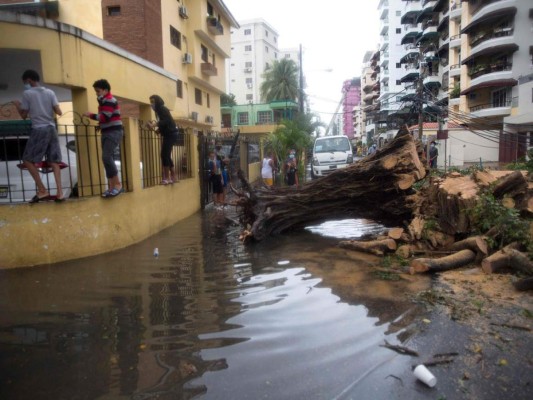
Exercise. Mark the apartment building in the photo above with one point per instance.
(254, 47)
(370, 92)
(390, 73)
(497, 57)
(351, 98)
(471, 58)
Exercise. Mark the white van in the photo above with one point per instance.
(331, 153)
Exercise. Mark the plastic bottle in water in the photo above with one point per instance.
(156, 252)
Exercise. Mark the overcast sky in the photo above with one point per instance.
(333, 34)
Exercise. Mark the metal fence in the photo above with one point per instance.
(82, 176)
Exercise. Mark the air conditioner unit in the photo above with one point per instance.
(250, 86)
(209, 119)
(183, 12)
(194, 116)
(187, 58)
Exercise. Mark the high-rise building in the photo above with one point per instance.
(351, 98)
(254, 47)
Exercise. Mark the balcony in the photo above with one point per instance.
(367, 87)
(411, 74)
(411, 34)
(432, 80)
(496, 38)
(499, 109)
(486, 50)
(455, 41)
(384, 26)
(456, 11)
(455, 70)
(209, 69)
(490, 72)
(214, 26)
(491, 14)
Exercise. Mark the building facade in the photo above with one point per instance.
(254, 47)
(351, 98)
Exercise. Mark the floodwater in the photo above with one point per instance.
(293, 317)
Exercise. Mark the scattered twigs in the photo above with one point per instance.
(400, 349)
(512, 326)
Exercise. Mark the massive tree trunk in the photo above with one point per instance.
(377, 187)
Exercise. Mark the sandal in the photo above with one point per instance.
(165, 182)
(37, 198)
(115, 192)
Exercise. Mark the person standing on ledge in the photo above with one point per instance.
(110, 123)
(40, 104)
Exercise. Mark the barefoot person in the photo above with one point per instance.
(110, 123)
(41, 105)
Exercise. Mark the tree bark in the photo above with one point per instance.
(524, 284)
(457, 260)
(477, 244)
(395, 233)
(498, 260)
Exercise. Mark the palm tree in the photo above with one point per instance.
(280, 81)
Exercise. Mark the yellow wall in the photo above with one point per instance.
(47, 232)
(84, 14)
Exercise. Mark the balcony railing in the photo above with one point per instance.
(504, 103)
(497, 33)
(214, 26)
(209, 69)
(479, 70)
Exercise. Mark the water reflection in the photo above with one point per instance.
(291, 318)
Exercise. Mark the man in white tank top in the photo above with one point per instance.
(268, 169)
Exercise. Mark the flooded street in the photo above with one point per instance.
(293, 317)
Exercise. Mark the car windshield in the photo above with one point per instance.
(333, 144)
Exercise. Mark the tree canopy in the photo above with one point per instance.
(280, 81)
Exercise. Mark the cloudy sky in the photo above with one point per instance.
(333, 34)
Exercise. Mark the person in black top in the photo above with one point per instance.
(433, 154)
(165, 126)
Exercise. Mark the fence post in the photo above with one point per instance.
(130, 156)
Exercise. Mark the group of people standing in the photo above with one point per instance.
(41, 106)
(290, 169)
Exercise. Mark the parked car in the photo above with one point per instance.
(16, 183)
(331, 153)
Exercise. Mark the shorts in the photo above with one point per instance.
(216, 180)
(43, 141)
(268, 181)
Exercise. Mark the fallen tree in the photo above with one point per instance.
(378, 187)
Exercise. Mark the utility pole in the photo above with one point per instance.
(301, 91)
(419, 95)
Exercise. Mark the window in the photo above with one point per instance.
(247, 31)
(248, 47)
(204, 57)
(266, 49)
(248, 81)
(249, 97)
(398, 30)
(207, 100)
(398, 98)
(179, 89)
(398, 82)
(398, 13)
(175, 37)
(113, 11)
(198, 96)
(242, 118)
(398, 65)
(266, 33)
(248, 64)
(210, 9)
(264, 117)
(267, 66)
(500, 98)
